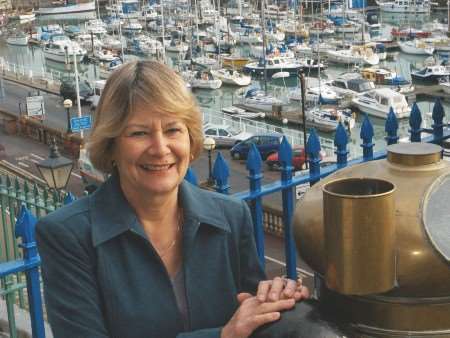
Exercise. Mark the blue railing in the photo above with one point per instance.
(437, 134)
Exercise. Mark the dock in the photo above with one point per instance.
(45, 82)
(433, 91)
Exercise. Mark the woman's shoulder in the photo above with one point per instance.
(72, 217)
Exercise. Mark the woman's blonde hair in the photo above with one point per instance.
(141, 82)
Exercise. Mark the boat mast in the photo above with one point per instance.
(448, 17)
(263, 31)
(163, 31)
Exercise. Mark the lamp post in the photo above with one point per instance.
(56, 169)
(209, 144)
(68, 104)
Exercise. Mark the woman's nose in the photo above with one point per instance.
(158, 144)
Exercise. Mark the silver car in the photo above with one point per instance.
(224, 135)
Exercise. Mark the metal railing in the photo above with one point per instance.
(27, 201)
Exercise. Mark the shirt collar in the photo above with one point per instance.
(112, 215)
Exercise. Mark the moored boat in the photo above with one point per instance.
(377, 102)
(67, 9)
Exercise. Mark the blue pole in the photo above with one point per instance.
(285, 156)
(25, 228)
(254, 167)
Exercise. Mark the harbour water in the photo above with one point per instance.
(211, 101)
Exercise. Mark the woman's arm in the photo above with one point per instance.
(70, 288)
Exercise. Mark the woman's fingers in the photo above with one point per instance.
(290, 288)
(301, 293)
(276, 289)
(253, 313)
(265, 318)
(263, 290)
(243, 296)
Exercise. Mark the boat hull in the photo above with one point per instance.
(79, 8)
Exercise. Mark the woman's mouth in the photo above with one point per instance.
(156, 167)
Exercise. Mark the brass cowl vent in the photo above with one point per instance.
(379, 235)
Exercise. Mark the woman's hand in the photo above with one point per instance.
(252, 313)
(281, 288)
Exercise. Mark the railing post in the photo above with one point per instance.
(391, 127)
(285, 157)
(415, 121)
(25, 228)
(438, 126)
(340, 141)
(221, 174)
(69, 198)
(366, 135)
(254, 167)
(313, 151)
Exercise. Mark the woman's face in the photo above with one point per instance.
(152, 154)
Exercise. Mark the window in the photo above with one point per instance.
(223, 132)
(211, 132)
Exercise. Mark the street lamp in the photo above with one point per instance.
(68, 104)
(209, 144)
(56, 169)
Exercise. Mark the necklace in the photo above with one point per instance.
(164, 252)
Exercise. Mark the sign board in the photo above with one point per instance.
(35, 106)
(80, 123)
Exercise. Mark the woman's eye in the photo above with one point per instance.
(138, 133)
(174, 130)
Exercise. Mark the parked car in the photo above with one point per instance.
(298, 159)
(224, 135)
(68, 89)
(267, 144)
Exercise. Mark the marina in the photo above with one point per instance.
(217, 93)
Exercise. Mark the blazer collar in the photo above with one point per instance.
(112, 215)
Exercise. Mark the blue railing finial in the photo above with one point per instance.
(254, 161)
(366, 135)
(69, 198)
(25, 225)
(285, 153)
(340, 141)
(313, 151)
(191, 177)
(391, 127)
(438, 117)
(415, 121)
(313, 144)
(221, 173)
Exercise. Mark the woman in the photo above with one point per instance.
(148, 254)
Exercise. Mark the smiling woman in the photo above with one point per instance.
(149, 255)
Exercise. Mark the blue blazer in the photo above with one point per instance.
(102, 277)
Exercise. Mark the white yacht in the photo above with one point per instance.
(360, 55)
(205, 80)
(415, 47)
(328, 119)
(67, 9)
(17, 39)
(61, 49)
(377, 102)
(258, 100)
(350, 84)
(405, 6)
(231, 77)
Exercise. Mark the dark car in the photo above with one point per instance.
(267, 144)
(68, 89)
